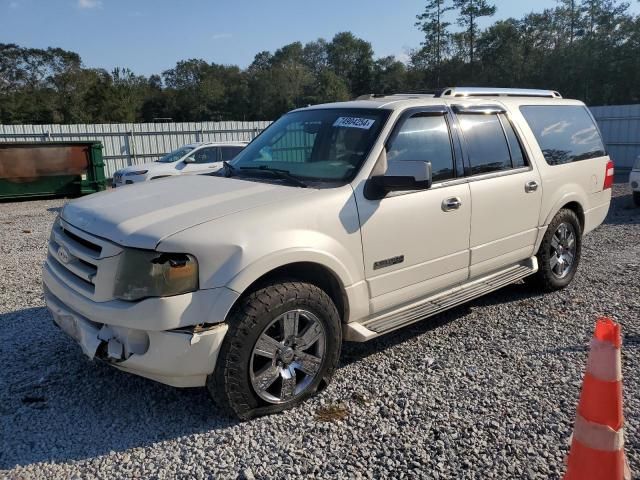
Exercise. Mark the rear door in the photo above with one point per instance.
(506, 190)
(229, 153)
(417, 243)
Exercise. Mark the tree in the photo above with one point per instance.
(389, 75)
(470, 12)
(351, 58)
(436, 35)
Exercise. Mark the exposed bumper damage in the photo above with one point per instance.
(181, 358)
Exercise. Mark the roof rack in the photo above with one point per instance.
(467, 92)
(411, 93)
(497, 92)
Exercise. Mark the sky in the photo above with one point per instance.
(150, 36)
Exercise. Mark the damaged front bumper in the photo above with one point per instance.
(182, 357)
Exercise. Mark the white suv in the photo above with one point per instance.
(634, 182)
(339, 222)
(195, 158)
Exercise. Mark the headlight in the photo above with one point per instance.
(143, 273)
(139, 172)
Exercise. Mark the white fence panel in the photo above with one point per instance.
(127, 144)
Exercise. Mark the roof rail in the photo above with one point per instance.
(497, 92)
(410, 93)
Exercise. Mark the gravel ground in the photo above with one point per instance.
(487, 390)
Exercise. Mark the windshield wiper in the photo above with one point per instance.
(229, 169)
(284, 174)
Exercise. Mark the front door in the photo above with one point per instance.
(416, 243)
(206, 160)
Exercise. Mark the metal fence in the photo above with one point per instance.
(620, 126)
(134, 144)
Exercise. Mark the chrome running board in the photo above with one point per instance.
(414, 312)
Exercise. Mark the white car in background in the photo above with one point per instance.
(634, 182)
(191, 159)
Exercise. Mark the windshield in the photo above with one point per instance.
(322, 145)
(175, 155)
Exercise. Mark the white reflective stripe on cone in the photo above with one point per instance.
(604, 361)
(598, 437)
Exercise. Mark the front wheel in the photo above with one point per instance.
(283, 343)
(559, 253)
(636, 198)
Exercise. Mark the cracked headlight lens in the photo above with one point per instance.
(144, 273)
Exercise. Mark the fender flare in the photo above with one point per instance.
(282, 258)
(568, 197)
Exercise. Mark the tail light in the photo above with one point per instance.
(608, 176)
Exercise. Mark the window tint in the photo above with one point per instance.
(565, 133)
(294, 144)
(425, 138)
(229, 153)
(206, 155)
(488, 149)
(317, 144)
(517, 154)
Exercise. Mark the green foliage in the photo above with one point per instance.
(586, 49)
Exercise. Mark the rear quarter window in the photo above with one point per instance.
(565, 133)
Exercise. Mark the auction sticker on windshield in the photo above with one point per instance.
(354, 122)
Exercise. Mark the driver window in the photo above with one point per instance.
(425, 138)
(206, 155)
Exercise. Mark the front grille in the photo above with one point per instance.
(97, 249)
(85, 263)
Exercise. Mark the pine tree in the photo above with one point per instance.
(436, 36)
(470, 12)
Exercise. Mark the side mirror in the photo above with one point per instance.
(404, 175)
(189, 160)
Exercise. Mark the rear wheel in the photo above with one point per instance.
(636, 198)
(283, 343)
(559, 253)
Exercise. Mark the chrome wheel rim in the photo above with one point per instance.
(563, 250)
(287, 356)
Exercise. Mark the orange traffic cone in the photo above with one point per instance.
(597, 446)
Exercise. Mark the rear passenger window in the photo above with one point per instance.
(229, 153)
(424, 137)
(486, 142)
(565, 133)
(517, 154)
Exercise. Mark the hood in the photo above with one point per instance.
(145, 166)
(143, 214)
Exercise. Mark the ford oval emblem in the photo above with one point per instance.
(63, 255)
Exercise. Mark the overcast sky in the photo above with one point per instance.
(149, 36)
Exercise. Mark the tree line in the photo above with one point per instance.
(586, 49)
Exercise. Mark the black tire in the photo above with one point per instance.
(546, 278)
(231, 385)
(636, 199)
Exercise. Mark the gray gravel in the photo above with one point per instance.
(484, 391)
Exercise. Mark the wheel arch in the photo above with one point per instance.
(573, 202)
(312, 272)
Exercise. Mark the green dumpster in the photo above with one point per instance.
(50, 169)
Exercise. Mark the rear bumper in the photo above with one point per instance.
(596, 215)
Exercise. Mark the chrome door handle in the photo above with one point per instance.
(532, 186)
(450, 204)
